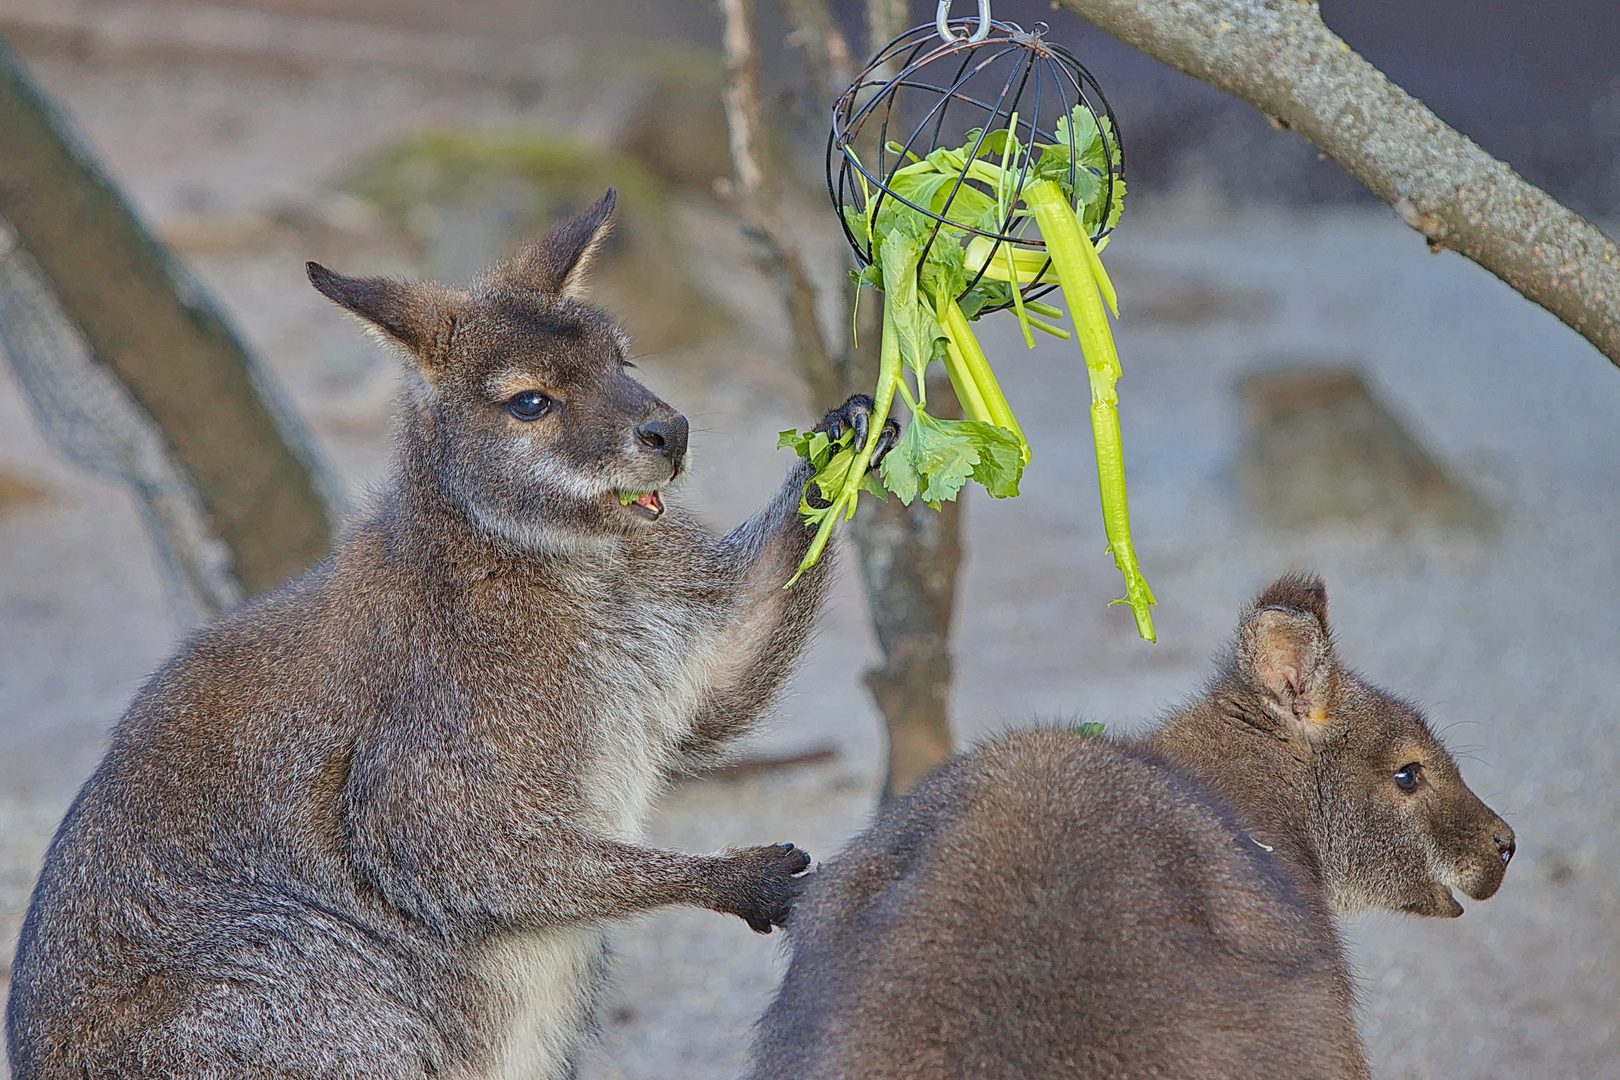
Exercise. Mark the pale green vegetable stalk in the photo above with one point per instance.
(977, 373)
(1077, 264)
(972, 398)
(843, 500)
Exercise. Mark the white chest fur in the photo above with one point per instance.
(649, 681)
(655, 696)
(545, 985)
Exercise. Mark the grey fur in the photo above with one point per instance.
(370, 824)
(1055, 905)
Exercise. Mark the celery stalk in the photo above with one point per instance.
(843, 503)
(978, 368)
(1073, 255)
(967, 390)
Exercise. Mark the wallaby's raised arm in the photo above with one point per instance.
(1054, 905)
(368, 826)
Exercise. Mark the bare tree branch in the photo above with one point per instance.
(1279, 57)
(885, 21)
(825, 48)
(756, 191)
(741, 95)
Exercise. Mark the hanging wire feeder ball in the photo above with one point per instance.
(922, 92)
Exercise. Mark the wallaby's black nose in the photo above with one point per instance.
(1505, 845)
(667, 437)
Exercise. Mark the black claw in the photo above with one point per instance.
(862, 422)
(854, 414)
(885, 442)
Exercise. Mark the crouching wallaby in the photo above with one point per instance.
(1056, 905)
(368, 825)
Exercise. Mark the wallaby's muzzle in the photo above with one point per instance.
(1491, 867)
(1485, 846)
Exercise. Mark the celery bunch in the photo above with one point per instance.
(927, 314)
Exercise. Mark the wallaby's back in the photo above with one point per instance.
(1070, 907)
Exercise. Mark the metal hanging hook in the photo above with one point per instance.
(942, 23)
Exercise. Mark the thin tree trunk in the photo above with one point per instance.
(142, 318)
(909, 556)
(1279, 57)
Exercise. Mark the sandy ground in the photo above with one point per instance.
(1512, 643)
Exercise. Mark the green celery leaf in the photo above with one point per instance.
(1091, 215)
(899, 472)
(946, 269)
(914, 321)
(943, 455)
(925, 189)
(974, 302)
(819, 450)
(936, 457)
(856, 220)
(1001, 459)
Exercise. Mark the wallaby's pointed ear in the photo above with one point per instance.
(1300, 591)
(416, 316)
(1284, 652)
(559, 261)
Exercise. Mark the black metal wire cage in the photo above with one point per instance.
(923, 92)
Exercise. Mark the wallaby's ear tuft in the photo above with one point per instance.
(559, 261)
(1298, 590)
(1285, 654)
(417, 316)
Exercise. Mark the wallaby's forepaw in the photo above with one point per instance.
(856, 415)
(767, 882)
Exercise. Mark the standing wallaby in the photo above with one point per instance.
(369, 825)
(1056, 905)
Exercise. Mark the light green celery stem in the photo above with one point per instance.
(1101, 275)
(1067, 245)
(843, 504)
(1049, 328)
(1017, 295)
(967, 391)
(978, 370)
(1009, 155)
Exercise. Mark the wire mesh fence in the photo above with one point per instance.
(88, 416)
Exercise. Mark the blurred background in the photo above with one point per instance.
(1305, 386)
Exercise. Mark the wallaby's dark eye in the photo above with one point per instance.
(528, 405)
(1407, 777)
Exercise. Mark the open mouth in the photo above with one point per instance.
(645, 503)
(1441, 903)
